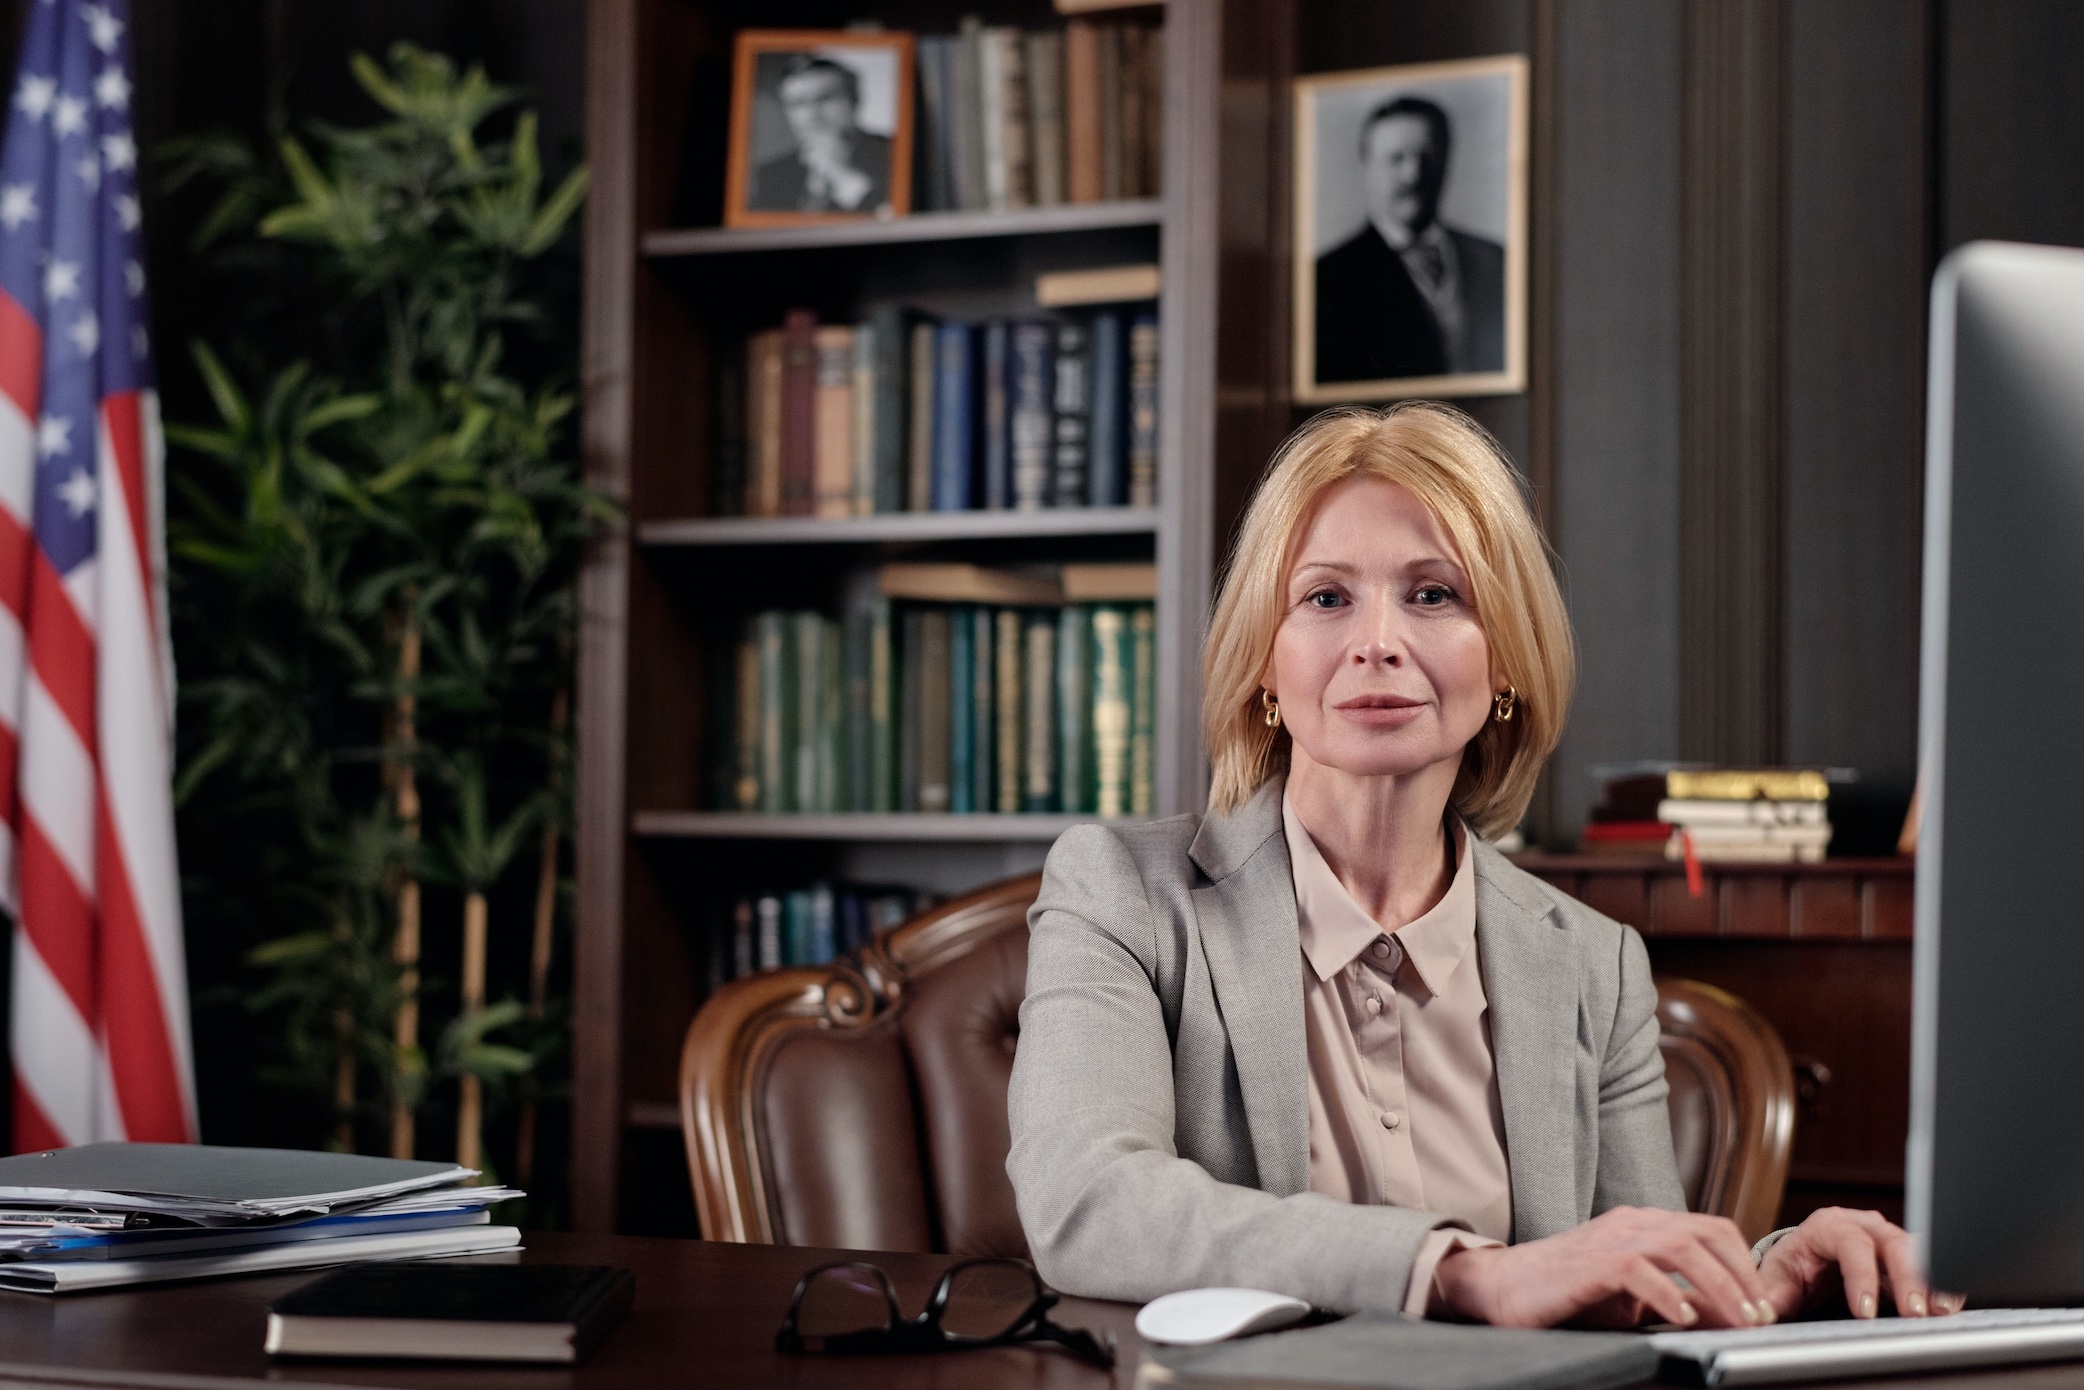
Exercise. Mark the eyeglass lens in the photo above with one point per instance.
(843, 1299)
(988, 1300)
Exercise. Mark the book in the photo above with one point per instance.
(862, 498)
(1082, 136)
(73, 1276)
(746, 722)
(858, 738)
(824, 925)
(934, 712)
(997, 431)
(1113, 662)
(1009, 723)
(1130, 39)
(1143, 410)
(1016, 149)
(745, 938)
(954, 422)
(1143, 711)
(1760, 812)
(919, 420)
(1074, 708)
(777, 714)
(1046, 114)
(991, 115)
(1731, 784)
(962, 712)
(807, 651)
(968, 108)
(1096, 581)
(1107, 445)
(832, 429)
(799, 411)
(1038, 672)
(1107, 77)
(982, 692)
(763, 386)
(1154, 111)
(883, 714)
(1108, 284)
(767, 912)
(889, 329)
(936, 62)
(954, 582)
(1070, 404)
(539, 1313)
(911, 698)
(831, 711)
(796, 929)
(1031, 412)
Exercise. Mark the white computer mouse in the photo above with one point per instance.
(1196, 1317)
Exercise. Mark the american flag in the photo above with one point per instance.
(99, 1021)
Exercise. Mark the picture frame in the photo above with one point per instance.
(821, 127)
(1410, 225)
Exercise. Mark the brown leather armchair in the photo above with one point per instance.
(862, 1105)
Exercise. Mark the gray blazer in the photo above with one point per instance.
(1160, 1095)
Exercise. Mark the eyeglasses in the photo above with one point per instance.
(850, 1309)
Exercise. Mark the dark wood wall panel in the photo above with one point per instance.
(2012, 120)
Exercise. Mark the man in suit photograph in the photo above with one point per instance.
(836, 166)
(1408, 295)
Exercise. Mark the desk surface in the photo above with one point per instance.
(705, 1317)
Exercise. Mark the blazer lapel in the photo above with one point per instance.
(1530, 978)
(1246, 916)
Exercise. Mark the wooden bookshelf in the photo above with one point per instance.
(664, 292)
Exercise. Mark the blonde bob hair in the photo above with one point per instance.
(1454, 467)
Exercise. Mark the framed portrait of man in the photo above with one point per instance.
(1411, 231)
(821, 127)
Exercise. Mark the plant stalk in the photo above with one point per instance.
(540, 947)
(405, 945)
(470, 1103)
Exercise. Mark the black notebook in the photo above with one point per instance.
(1387, 1351)
(452, 1312)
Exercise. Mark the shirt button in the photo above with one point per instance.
(1381, 949)
(1374, 1005)
(1391, 1119)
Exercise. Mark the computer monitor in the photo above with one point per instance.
(1996, 1153)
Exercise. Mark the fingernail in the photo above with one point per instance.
(1766, 1313)
(1752, 1313)
(1866, 1305)
(1687, 1315)
(1917, 1305)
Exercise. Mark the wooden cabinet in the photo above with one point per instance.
(1823, 951)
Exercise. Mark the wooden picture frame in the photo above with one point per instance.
(1447, 317)
(770, 180)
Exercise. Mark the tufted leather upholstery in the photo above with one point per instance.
(863, 1105)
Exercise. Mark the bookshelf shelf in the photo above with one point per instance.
(674, 242)
(900, 827)
(898, 526)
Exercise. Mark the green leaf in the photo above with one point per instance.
(549, 221)
(231, 405)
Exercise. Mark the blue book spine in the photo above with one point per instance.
(954, 428)
(998, 436)
(824, 929)
(962, 720)
(1107, 481)
(796, 929)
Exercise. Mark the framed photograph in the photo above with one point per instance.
(1411, 231)
(821, 127)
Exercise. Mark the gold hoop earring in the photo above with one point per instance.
(1272, 707)
(1503, 704)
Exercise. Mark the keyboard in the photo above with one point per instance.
(1870, 1347)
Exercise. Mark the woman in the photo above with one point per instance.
(1327, 1041)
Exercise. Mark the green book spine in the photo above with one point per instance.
(796, 928)
(831, 718)
(1074, 709)
(962, 712)
(1112, 660)
(1038, 757)
(913, 626)
(1143, 711)
(857, 742)
(807, 634)
(864, 401)
(983, 706)
(934, 722)
(777, 714)
(882, 711)
(1008, 726)
(747, 789)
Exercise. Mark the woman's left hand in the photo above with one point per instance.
(1861, 1251)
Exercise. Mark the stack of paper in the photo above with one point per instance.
(108, 1214)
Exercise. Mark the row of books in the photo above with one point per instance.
(902, 412)
(805, 926)
(1013, 118)
(950, 688)
(1715, 816)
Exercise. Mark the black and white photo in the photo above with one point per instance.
(821, 126)
(1410, 231)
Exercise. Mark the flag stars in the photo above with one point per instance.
(86, 334)
(77, 493)
(119, 150)
(68, 115)
(127, 211)
(89, 170)
(102, 27)
(34, 95)
(61, 280)
(134, 277)
(140, 342)
(54, 436)
(112, 90)
(17, 205)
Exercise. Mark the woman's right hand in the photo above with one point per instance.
(1615, 1270)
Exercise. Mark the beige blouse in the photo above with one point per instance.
(1404, 1107)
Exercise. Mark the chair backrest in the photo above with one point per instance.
(862, 1105)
